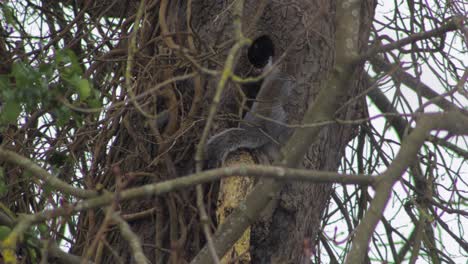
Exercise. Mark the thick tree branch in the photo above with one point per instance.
(156, 189)
(52, 181)
(132, 239)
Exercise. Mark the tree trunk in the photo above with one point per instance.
(170, 233)
(281, 235)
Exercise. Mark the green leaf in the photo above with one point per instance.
(10, 112)
(58, 159)
(4, 232)
(82, 86)
(24, 75)
(3, 187)
(47, 70)
(94, 103)
(85, 89)
(9, 15)
(4, 83)
(68, 63)
(43, 228)
(63, 115)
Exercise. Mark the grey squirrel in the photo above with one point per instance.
(263, 126)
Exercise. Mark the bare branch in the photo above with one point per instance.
(452, 25)
(413, 83)
(57, 184)
(454, 122)
(132, 238)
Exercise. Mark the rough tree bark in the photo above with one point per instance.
(304, 31)
(280, 238)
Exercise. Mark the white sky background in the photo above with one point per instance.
(398, 217)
